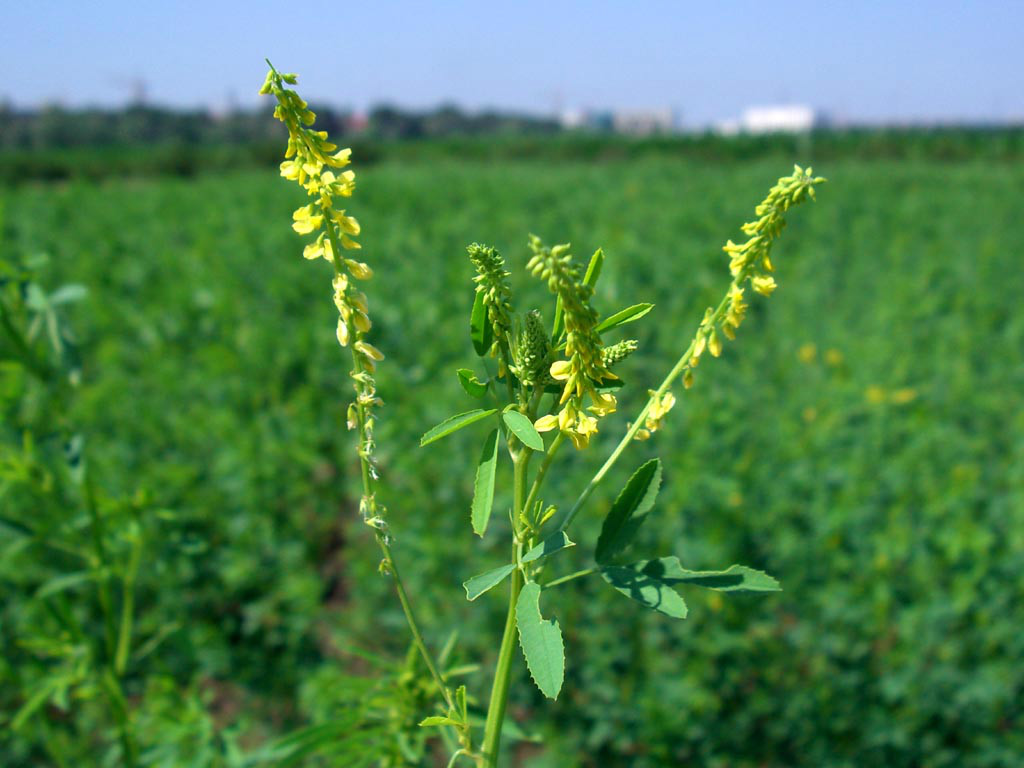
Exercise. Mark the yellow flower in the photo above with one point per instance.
(763, 284)
(658, 410)
(369, 350)
(306, 221)
(580, 432)
(546, 423)
(603, 403)
(358, 269)
(807, 353)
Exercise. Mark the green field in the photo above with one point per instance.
(862, 441)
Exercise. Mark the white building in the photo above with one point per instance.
(643, 122)
(780, 119)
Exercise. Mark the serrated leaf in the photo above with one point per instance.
(594, 268)
(480, 327)
(541, 641)
(454, 423)
(482, 582)
(629, 511)
(469, 381)
(554, 543)
(627, 315)
(483, 486)
(646, 590)
(523, 428)
(735, 578)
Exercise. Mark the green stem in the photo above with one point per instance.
(124, 635)
(542, 470)
(570, 577)
(503, 669)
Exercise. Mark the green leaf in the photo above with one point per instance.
(646, 590)
(436, 720)
(483, 486)
(735, 578)
(629, 511)
(454, 423)
(554, 543)
(556, 326)
(628, 315)
(68, 293)
(541, 642)
(480, 327)
(523, 428)
(65, 582)
(469, 381)
(482, 582)
(594, 268)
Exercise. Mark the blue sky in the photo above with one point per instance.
(864, 61)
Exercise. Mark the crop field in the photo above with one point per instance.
(862, 441)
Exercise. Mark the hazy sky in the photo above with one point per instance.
(859, 60)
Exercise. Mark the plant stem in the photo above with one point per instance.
(542, 471)
(570, 577)
(503, 669)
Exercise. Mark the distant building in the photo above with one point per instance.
(643, 122)
(779, 119)
(585, 120)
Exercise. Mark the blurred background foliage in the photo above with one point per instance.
(862, 441)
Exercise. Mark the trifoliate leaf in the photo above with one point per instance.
(541, 641)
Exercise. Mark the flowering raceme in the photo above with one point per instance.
(315, 164)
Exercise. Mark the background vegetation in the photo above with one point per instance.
(863, 442)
